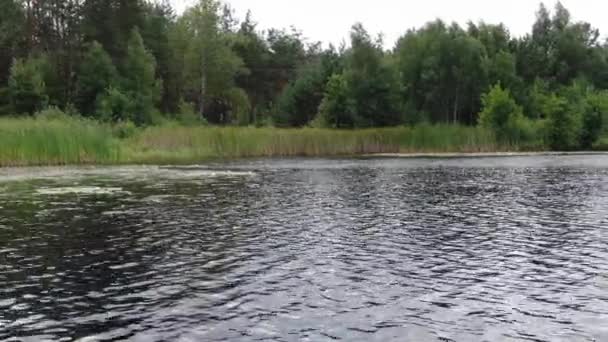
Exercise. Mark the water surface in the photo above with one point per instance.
(483, 249)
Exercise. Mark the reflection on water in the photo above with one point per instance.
(288, 250)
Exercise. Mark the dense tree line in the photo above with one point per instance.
(138, 61)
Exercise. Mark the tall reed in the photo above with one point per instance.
(66, 140)
(181, 144)
(29, 141)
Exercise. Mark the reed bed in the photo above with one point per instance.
(182, 144)
(29, 142)
(66, 140)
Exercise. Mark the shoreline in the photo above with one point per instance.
(442, 155)
(202, 164)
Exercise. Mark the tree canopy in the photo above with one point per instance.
(135, 60)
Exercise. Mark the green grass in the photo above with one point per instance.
(61, 141)
(181, 144)
(29, 141)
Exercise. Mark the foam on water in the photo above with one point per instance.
(119, 172)
(81, 190)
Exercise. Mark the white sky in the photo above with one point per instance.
(330, 20)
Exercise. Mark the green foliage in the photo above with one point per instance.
(443, 72)
(59, 140)
(252, 49)
(139, 82)
(96, 74)
(124, 129)
(372, 82)
(52, 113)
(299, 102)
(115, 106)
(239, 106)
(586, 108)
(593, 118)
(210, 65)
(26, 86)
(110, 22)
(366, 93)
(175, 144)
(563, 127)
(5, 102)
(132, 62)
(337, 110)
(502, 115)
(188, 116)
(12, 22)
(156, 30)
(558, 50)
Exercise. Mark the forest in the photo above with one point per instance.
(137, 67)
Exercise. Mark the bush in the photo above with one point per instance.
(264, 121)
(502, 115)
(124, 130)
(239, 106)
(140, 83)
(115, 106)
(575, 116)
(563, 126)
(300, 100)
(188, 116)
(337, 108)
(593, 119)
(5, 101)
(96, 74)
(52, 113)
(26, 86)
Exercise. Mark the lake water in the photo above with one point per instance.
(483, 249)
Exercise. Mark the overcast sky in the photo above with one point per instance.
(330, 20)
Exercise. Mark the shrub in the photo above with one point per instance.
(115, 106)
(563, 125)
(52, 113)
(26, 86)
(124, 130)
(140, 83)
(96, 74)
(592, 119)
(187, 114)
(337, 108)
(502, 115)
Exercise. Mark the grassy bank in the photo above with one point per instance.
(73, 141)
(56, 142)
(178, 144)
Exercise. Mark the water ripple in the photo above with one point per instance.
(310, 250)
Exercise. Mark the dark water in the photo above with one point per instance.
(509, 249)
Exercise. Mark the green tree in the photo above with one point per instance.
(501, 114)
(443, 72)
(593, 119)
(372, 82)
(337, 109)
(585, 108)
(95, 75)
(253, 50)
(115, 106)
(563, 129)
(287, 54)
(210, 65)
(110, 23)
(139, 81)
(559, 50)
(12, 22)
(26, 86)
(300, 100)
(158, 22)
